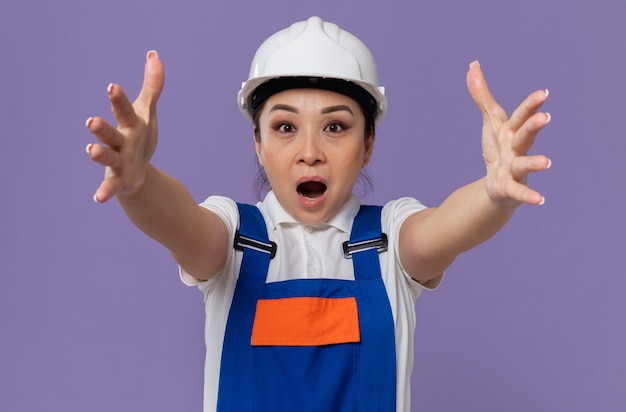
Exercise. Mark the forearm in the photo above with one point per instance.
(165, 210)
(467, 218)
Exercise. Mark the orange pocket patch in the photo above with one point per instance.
(305, 321)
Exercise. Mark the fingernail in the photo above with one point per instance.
(151, 54)
(543, 201)
(88, 121)
(547, 93)
(88, 148)
(475, 63)
(95, 198)
(109, 88)
(549, 164)
(549, 117)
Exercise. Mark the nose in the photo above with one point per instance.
(311, 149)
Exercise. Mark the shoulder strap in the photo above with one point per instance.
(252, 231)
(366, 232)
(366, 242)
(252, 238)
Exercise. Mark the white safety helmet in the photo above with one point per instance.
(313, 54)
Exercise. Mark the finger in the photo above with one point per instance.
(105, 132)
(109, 187)
(153, 81)
(121, 107)
(526, 135)
(528, 108)
(480, 93)
(517, 192)
(523, 165)
(104, 156)
(524, 194)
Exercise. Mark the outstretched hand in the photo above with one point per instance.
(126, 150)
(506, 141)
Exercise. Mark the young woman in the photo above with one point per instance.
(309, 295)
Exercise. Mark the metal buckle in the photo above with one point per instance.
(380, 244)
(242, 242)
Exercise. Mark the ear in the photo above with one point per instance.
(369, 148)
(256, 136)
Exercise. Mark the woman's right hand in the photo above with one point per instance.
(126, 150)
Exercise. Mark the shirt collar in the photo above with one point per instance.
(277, 215)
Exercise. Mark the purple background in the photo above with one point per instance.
(93, 316)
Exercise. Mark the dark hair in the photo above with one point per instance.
(345, 87)
(261, 184)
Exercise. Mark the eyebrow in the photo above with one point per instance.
(325, 110)
(337, 108)
(285, 107)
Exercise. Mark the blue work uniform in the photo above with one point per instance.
(309, 344)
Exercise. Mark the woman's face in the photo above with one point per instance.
(312, 148)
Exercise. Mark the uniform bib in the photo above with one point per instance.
(309, 344)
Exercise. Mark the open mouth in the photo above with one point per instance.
(311, 190)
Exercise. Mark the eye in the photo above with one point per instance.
(334, 128)
(285, 128)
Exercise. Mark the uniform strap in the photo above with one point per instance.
(366, 242)
(251, 237)
(252, 232)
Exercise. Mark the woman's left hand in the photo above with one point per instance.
(506, 141)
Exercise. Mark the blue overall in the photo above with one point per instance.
(356, 375)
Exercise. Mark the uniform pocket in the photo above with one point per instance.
(305, 321)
